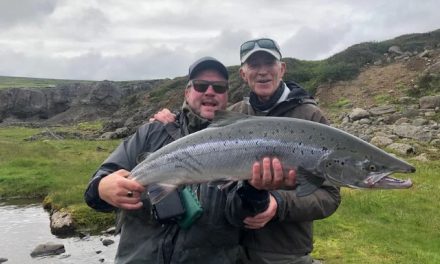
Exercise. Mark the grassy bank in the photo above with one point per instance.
(57, 170)
(399, 226)
(386, 226)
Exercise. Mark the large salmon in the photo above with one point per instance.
(227, 149)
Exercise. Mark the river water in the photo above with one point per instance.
(25, 225)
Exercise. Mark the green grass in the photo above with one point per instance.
(25, 82)
(385, 226)
(58, 169)
(383, 99)
(382, 226)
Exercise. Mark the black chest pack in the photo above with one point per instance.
(180, 206)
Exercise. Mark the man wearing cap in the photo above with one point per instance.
(148, 238)
(283, 233)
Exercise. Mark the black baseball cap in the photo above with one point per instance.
(207, 63)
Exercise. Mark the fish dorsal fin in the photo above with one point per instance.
(224, 118)
(308, 182)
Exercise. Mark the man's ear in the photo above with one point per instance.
(186, 92)
(283, 69)
(242, 73)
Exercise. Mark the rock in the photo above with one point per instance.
(48, 249)
(3, 260)
(106, 242)
(98, 251)
(403, 120)
(426, 53)
(414, 132)
(381, 110)
(419, 122)
(429, 114)
(61, 224)
(121, 132)
(422, 157)
(395, 49)
(358, 113)
(365, 121)
(391, 119)
(411, 112)
(435, 143)
(365, 138)
(107, 135)
(378, 62)
(381, 141)
(78, 101)
(434, 68)
(403, 149)
(429, 102)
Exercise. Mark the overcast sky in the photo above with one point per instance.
(135, 39)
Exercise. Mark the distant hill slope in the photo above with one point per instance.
(363, 74)
(7, 82)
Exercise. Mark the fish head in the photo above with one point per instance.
(357, 170)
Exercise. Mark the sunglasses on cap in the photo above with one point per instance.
(264, 43)
(201, 86)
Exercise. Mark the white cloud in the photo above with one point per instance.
(14, 12)
(123, 40)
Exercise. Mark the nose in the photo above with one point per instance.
(263, 69)
(210, 90)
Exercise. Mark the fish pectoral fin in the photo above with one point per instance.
(157, 192)
(308, 182)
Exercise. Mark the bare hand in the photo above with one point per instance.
(260, 220)
(164, 116)
(121, 192)
(269, 175)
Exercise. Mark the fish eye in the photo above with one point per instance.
(372, 167)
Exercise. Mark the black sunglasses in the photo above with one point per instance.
(262, 43)
(201, 86)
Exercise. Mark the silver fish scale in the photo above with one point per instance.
(229, 152)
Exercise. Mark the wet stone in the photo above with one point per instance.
(107, 242)
(48, 249)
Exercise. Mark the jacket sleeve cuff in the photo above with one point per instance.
(92, 198)
(256, 201)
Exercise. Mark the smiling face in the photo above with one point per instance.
(263, 73)
(206, 103)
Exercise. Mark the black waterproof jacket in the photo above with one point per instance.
(213, 238)
(290, 235)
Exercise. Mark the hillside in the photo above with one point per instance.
(378, 84)
(364, 75)
(369, 70)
